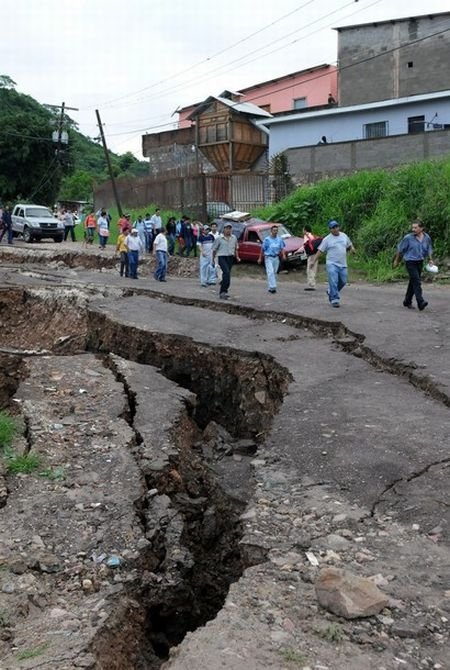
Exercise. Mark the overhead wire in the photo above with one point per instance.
(212, 73)
(323, 74)
(209, 58)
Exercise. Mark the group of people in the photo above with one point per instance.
(415, 248)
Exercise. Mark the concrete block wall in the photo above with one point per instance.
(310, 164)
(422, 67)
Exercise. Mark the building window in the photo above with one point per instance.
(410, 64)
(378, 129)
(300, 103)
(416, 124)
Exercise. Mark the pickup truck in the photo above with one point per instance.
(250, 234)
(35, 222)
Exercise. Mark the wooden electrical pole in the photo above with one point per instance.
(108, 161)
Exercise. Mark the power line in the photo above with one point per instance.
(208, 59)
(319, 76)
(212, 73)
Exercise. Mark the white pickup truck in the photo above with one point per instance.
(35, 222)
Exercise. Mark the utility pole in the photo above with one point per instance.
(58, 135)
(108, 161)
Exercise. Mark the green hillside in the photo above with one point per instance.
(28, 166)
(375, 208)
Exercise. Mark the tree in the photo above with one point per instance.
(77, 186)
(28, 164)
(6, 81)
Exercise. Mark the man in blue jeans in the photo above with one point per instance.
(415, 247)
(335, 245)
(271, 250)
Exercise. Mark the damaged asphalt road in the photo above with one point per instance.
(273, 442)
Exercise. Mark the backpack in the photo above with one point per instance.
(311, 246)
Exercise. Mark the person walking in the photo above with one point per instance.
(335, 245)
(122, 250)
(205, 243)
(160, 248)
(90, 225)
(187, 236)
(148, 233)
(271, 250)
(139, 225)
(415, 247)
(69, 225)
(156, 222)
(103, 228)
(171, 230)
(6, 221)
(134, 246)
(226, 249)
(310, 245)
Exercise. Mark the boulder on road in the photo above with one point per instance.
(348, 595)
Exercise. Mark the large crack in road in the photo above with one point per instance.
(189, 514)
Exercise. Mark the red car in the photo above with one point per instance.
(251, 233)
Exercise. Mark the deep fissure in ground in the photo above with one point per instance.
(191, 522)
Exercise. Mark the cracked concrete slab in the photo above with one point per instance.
(354, 451)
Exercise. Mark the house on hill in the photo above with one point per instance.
(394, 102)
(175, 152)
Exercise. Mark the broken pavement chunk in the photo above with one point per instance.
(348, 595)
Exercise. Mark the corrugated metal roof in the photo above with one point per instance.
(332, 111)
(241, 107)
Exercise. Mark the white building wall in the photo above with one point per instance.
(346, 126)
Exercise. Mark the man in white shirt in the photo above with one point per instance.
(160, 247)
(134, 246)
(156, 222)
(335, 245)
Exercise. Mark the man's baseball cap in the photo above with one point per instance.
(332, 224)
(228, 225)
(206, 227)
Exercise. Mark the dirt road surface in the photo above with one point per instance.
(203, 463)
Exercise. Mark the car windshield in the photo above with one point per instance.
(282, 232)
(39, 212)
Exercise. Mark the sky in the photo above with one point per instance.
(137, 61)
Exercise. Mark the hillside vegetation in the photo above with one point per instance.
(28, 166)
(375, 208)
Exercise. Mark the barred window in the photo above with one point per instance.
(378, 129)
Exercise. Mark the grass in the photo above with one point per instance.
(375, 209)
(21, 464)
(32, 653)
(332, 633)
(292, 656)
(54, 474)
(8, 429)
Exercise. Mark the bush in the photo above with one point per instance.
(375, 209)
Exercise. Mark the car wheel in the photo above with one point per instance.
(60, 238)
(27, 236)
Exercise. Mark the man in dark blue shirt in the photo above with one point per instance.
(415, 247)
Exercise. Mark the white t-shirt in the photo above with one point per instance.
(160, 243)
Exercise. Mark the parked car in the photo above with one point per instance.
(251, 232)
(35, 222)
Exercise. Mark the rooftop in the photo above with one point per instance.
(331, 111)
(380, 23)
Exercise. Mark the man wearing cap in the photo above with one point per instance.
(205, 243)
(271, 250)
(335, 245)
(134, 246)
(226, 249)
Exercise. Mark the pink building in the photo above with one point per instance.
(305, 88)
